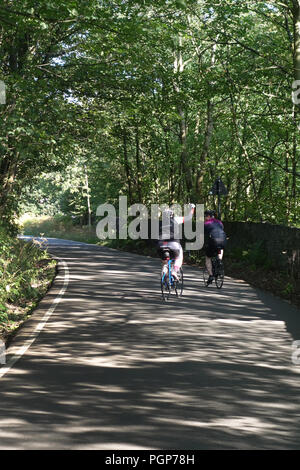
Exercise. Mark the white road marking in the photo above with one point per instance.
(40, 326)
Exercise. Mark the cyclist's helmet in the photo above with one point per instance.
(209, 213)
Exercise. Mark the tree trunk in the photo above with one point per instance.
(296, 107)
(127, 167)
(138, 165)
(88, 196)
(183, 128)
(296, 19)
(246, 157)
(207, 139)
(205, 150)
(184, 152)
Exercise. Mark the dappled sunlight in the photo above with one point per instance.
(115, 364)
(241, 424)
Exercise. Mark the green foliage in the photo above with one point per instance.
(152, 100)
(254, 256)
(59, 226)
(288, 289)
(42, 198)
(37, 226)
(18, 270)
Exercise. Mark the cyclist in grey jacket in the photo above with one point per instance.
(169, 244)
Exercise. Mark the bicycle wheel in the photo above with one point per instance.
(165, 287)
(179, 284)
(219, 274)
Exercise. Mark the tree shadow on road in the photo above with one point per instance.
(117, 368)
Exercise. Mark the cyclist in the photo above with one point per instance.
(215, 240)
(168, 244)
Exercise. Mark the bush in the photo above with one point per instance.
(18, 270)
(254, 256)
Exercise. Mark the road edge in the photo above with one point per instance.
(32, 327)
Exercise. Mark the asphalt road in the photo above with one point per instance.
(109, 366)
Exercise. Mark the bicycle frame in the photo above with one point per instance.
(171, 284)
(217, 271)
(171, 279)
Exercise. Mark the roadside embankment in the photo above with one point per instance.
(27, 272)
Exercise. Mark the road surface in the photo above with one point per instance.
(104, 364)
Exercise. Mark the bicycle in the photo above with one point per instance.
(218, 272)
(169, 284)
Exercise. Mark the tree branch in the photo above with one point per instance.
(286, 170)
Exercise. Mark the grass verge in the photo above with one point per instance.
(27, 272)
(57, 227)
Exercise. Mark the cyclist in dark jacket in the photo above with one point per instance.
(215, 240)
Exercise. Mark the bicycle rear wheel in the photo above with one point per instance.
(219, 274)
(179, 284)
(165, 287)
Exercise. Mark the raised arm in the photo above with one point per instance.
(181, 220)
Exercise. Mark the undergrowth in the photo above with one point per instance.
(57, 227)
(26, 272)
